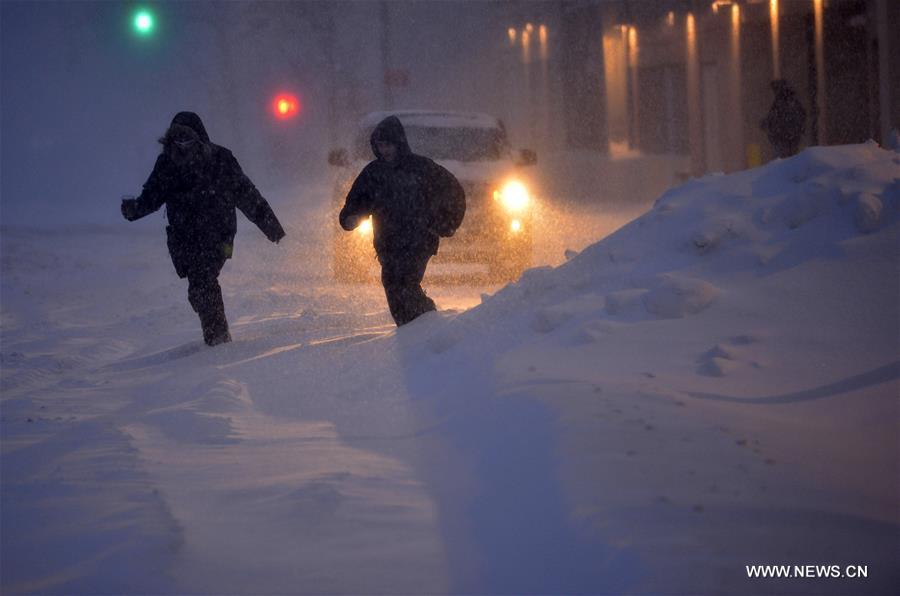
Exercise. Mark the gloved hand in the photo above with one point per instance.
(129, 209)
(279, 235)
(351, 223)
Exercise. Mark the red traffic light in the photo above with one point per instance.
(286, 106)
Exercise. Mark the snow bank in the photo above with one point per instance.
(721, 228)
(671, 350)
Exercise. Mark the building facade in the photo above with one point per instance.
(690, 77)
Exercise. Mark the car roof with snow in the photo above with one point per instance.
(433, 118)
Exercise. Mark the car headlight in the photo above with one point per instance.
(365, 228)
(514, 196)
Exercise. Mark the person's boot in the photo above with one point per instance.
(223, 336)
(420, 303)
(215, 329)
(429, 305)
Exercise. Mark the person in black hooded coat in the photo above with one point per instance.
(413, 202)
(786, 120)
(200, 184)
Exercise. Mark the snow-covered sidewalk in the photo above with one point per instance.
(713, 386)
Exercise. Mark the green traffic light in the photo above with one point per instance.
(143, 22)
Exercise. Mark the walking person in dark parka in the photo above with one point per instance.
(201, 184)
(786, 120)
(413, 202)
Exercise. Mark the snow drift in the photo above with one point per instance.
(723, 373)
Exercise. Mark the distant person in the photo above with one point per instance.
(413, 202)
(200, 184)
(786, 120)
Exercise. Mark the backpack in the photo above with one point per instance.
(449, 202)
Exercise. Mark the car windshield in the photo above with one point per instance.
(458, 144)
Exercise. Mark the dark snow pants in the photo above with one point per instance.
(205, 296)
(401, 276)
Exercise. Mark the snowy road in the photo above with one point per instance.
(712, 388)
(285, 461)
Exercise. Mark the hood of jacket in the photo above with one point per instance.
(192, 121)
(390, 130)
(781, 88)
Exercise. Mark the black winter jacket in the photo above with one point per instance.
(412, 200)
(200, 205)
(786, 119)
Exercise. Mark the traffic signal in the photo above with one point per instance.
(144, 22)
(285, 106)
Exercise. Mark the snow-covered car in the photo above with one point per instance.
(496, 234)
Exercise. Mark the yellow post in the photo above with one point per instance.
(754, 155)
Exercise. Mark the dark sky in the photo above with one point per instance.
(84, 99)
(82, 102)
